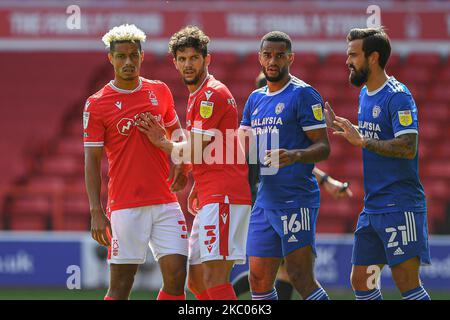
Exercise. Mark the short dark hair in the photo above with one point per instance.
(277, 36)
(189, 37)
(374, 39)
(113, 44)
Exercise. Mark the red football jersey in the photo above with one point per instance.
(137, 169)
(212, 111)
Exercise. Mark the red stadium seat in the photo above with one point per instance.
(423, 59)
(70, 145)
(77, 223)
(331, 225)
(28, 222)
(62, 166)
(419, 74)
(336, 59)
(31, 205)
(76, 205)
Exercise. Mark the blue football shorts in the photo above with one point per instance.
(276, 233)
(391, 238)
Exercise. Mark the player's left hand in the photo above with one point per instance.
(148, 125)
(279, 158)
(178, 175)
(349, 131)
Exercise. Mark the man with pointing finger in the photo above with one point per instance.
(392, 228)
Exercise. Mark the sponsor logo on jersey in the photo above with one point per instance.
(232, 102)
(405, 118)
(153, 99)
(124, 126)
(206, 109)
(376, 112)
(279, 108)
(317, 111)
(85, 119)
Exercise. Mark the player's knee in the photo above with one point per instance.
(405, 279)
(259, 282)
(122, 283)
(301, 277)
(175, 278)
(359, 281)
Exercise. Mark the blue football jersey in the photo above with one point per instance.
(279, 120)
(390, 184)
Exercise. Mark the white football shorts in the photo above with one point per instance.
(162, 227)
(219, 232)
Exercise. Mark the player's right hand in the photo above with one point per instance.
(101, 228)
(330, 117)
(148, 125)
(193, 201)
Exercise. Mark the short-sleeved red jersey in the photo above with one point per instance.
(137, 169)
(211, 111)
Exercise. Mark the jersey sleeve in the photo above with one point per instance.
(93, 128)
(170, 117)
(310, 115)
(208, 113)
(246, 114)
(403, 112)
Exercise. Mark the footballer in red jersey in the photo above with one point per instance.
(142, 209)
(220, 198)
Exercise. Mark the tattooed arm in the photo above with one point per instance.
(404, 146)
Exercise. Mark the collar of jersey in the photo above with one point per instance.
(198, 89)
(281, 90)
(126, 91)
(372, 93)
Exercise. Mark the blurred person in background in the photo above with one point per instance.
(142, 208)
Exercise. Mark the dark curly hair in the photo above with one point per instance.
(189, 37)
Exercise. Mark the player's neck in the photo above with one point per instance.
(275, 86)
(126, 84)
(194, 87)
(376, 80)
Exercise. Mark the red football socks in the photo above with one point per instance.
(165, 296)
(222, 292)
(203, 296)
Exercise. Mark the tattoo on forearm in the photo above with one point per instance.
(404, 146)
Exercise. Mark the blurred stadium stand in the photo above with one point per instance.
(43, 94)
